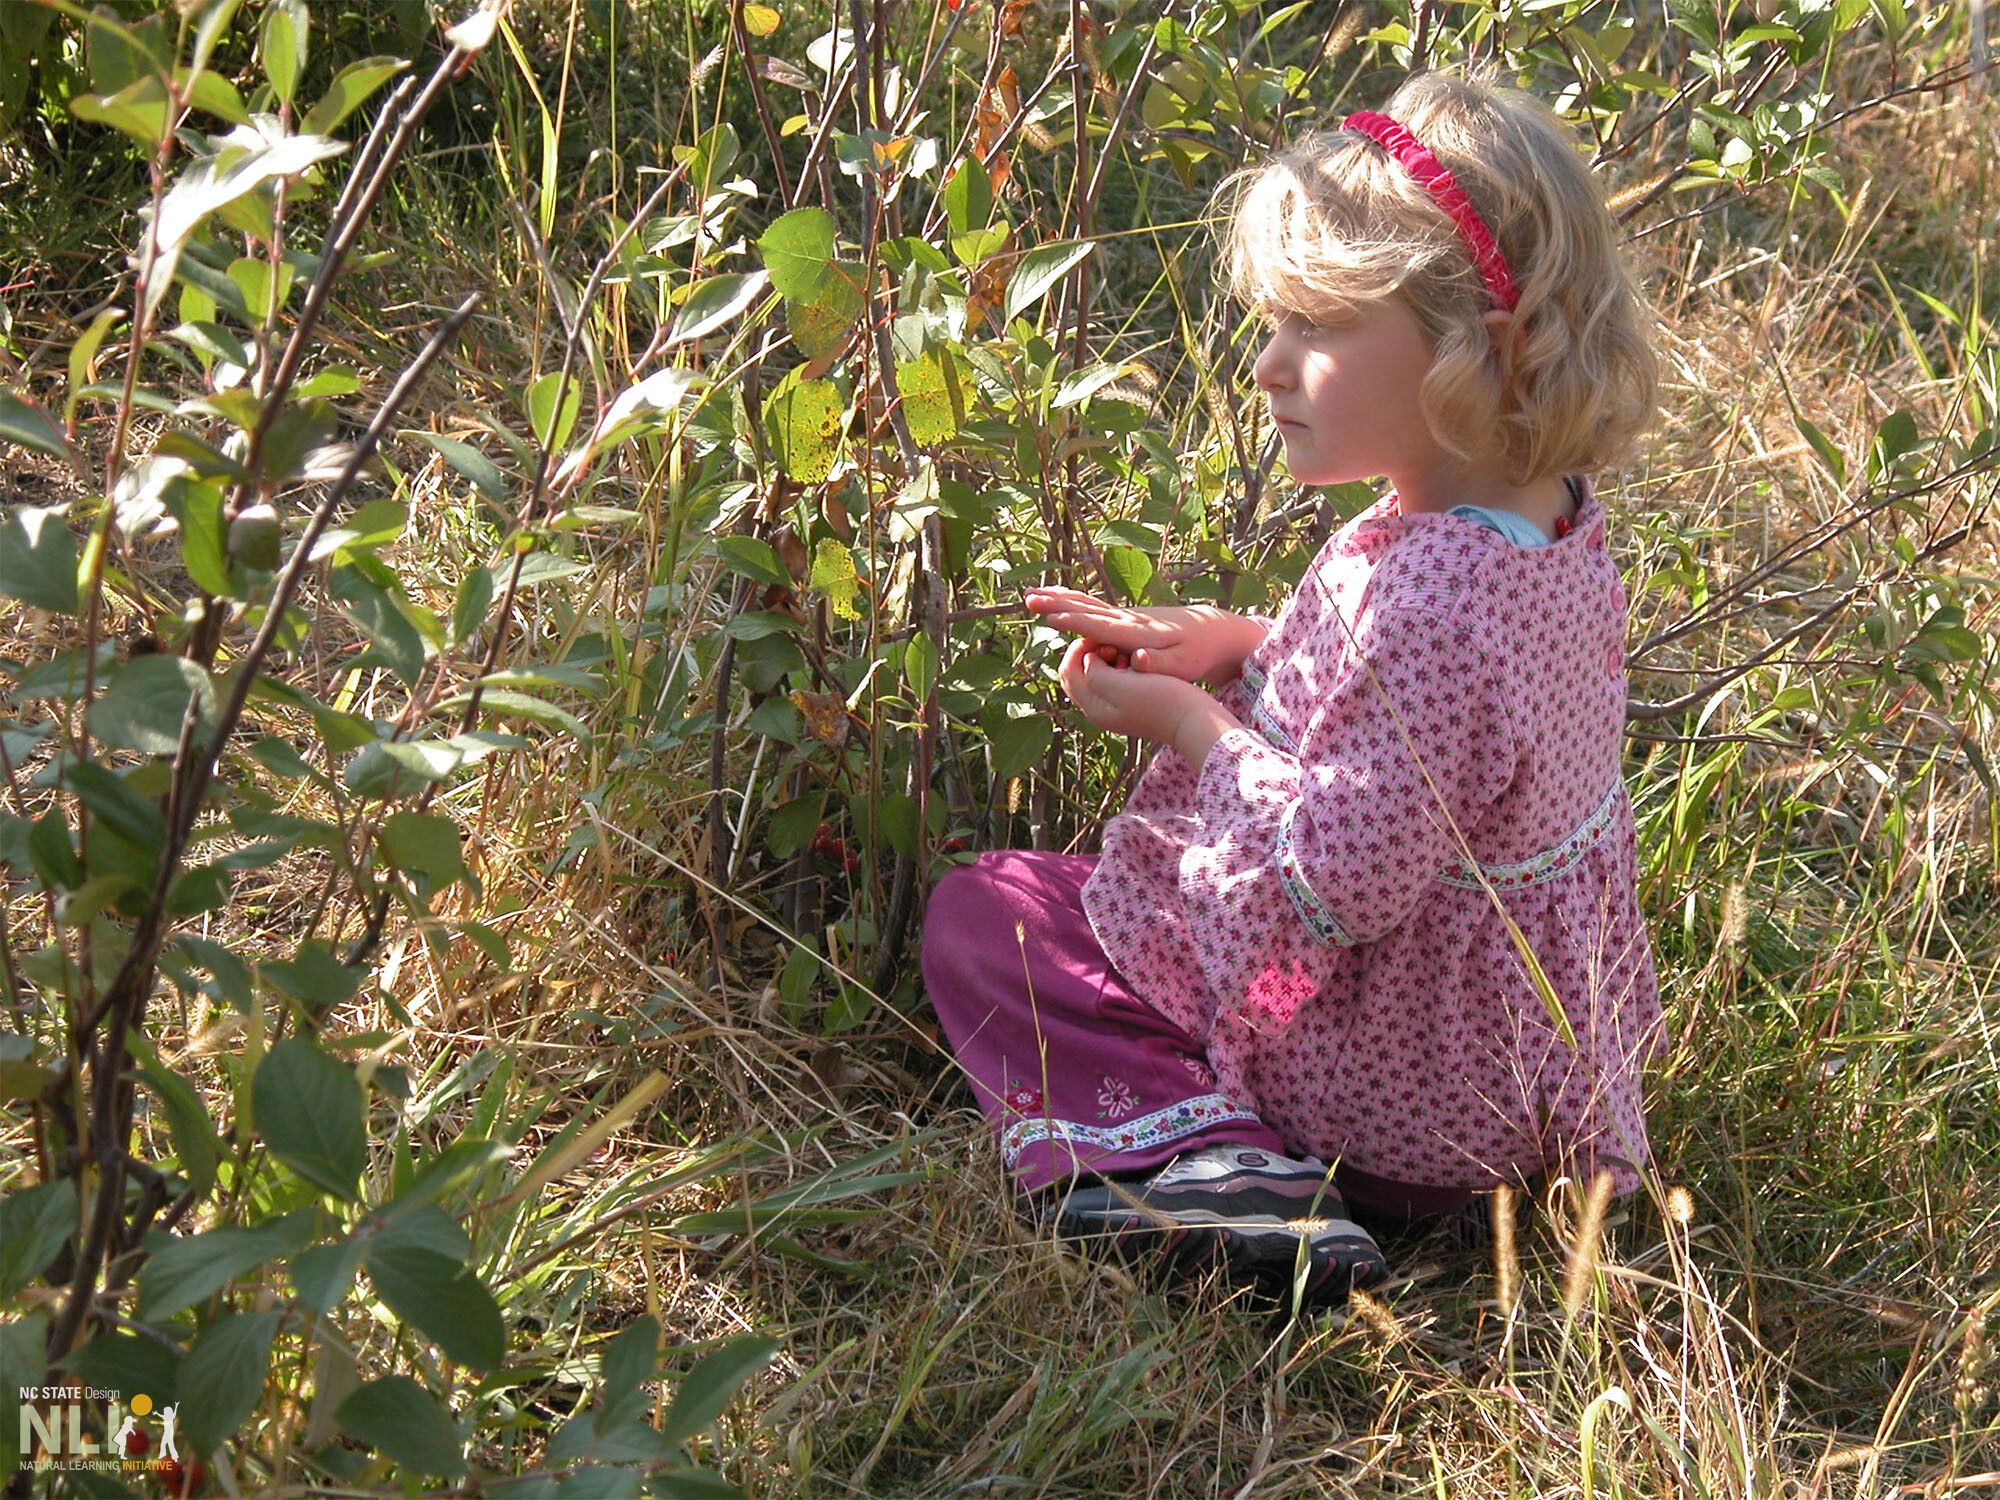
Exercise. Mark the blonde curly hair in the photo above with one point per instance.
(1333, 222)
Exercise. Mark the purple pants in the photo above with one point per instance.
(1072, 1069)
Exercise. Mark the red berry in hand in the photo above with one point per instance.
(136, 1444)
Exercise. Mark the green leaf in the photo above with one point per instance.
(805, 418)
(968, 198)
(1020, 743)
(143, 707)
(183, 1272)
(713, 303)
(34, 1224)
(22, 1360)
(393, 640)
(187, 1121)
(403, 1420)
(753, 558)
(468, 612)
(311, 1112)
(139, 109)
(212, 94)
(24, 423)
(349, 90)
(222, 1378)
(424, 844)
(204, 537)
(933, 401)
(282, 45)
(127, 1362)
(468, 463)
(1040, 269)
(710, 1385)
(833, 575)
(111, 799)
(37, 559)
(797, 250)
(425, 1226)
(819, 326)
(551, 422)
(443, 1300)
(920, 665)
(313, 976)
(1130, 569)
(508, 704)
(629, 1359)
(323, 1275)
(370, 528)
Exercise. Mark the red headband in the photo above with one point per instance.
(1430, 174)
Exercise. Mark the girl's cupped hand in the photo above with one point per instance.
(1121, 701)
(1184, 641)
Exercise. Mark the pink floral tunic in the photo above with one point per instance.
(1305, 905)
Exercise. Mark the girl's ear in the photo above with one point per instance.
(1506, 332)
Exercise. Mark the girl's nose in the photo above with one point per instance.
(1269, 371)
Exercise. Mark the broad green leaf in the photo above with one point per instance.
(323, 1275)
(349, 90)
(933, 400)
(715, 302)
(35, 1222)
(212, 94)
(424, 844)
(22, 1360)
(820, 325)
(188, 1121)
(629, 1359)
(37, 559)
(441, 1299)
(469, 463)
(920, 664)
(139, 109)
(313, 976)
(148, 698)
(1040, 269)
(552, 423)
(127, 1362)
(506, 703)
(25, 423)
(1020, 743)
(1130, 569)
(265, 289)
(393, 640)
(282, 45)
(183, 1272)
(468, 611)
(114, 803)
(805, 418)
(968, 198)
(372, 527)
(214, 182)
(753, 558)
(706, 1389)
(403, 1420)
(425, 1226)
(311, 1112)
(797, 250)
(222, 1378)
(833, 575)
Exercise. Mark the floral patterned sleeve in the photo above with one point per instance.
(1345, 837)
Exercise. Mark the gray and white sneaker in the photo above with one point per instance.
(1266, 1217)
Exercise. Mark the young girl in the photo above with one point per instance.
(1307, 938)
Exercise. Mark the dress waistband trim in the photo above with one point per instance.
(1511, 876)
(1549, 863)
